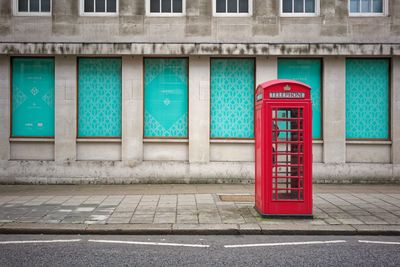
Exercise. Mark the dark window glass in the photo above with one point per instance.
(287, 6)
(111, 5)
(354, 6)
(177, 6)
(221, 6)
(298, 6)
(89, 6)
(45, 6)
(243, 6)
(232, 6)
(366, 6)
(100, 6)
(310, 6)
(166, 6)
(155, 6)
(34, 6)
(378, 6)
(23, 5)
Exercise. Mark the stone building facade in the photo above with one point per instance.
(149, 91)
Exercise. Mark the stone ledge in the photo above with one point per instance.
(238, 49)
(175, 172)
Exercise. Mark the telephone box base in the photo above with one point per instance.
(284, 216)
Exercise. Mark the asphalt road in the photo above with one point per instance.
(96, 250)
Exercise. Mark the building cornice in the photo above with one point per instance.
(210, 49)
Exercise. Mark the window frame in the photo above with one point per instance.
(390, 75)
(384, 12)
(235, 139)
(16, 12)
(16, 137)
(97, 14)
(165, 138)
(303, 14)
(77, 136)
(165, 14)
(232, 14)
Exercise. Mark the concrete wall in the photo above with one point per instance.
(199, 25)
(265, 36)
(132, 159)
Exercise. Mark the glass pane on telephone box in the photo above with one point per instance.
(288, 153)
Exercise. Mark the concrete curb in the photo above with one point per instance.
(193, 229)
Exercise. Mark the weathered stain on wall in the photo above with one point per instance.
(233, 49)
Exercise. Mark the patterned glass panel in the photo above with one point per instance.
(307, 71)
(33, 97)
(232, 98)
(367, 98)
(99, 97)
(166, 97)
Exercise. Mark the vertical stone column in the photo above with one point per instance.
(334, 110)
(266, 69)
(199, 109)
(132, 109)
(65, 108)
(396, 110)
(4, 107)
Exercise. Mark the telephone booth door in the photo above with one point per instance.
(284, 138)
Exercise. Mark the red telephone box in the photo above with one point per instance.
(283, 174)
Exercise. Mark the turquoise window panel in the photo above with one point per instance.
(232, 98)
(307, 71)
(367, 98)
(32, 97)
(166, 97)
(99, 97)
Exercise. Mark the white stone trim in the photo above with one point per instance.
(97, 14)
(36, 14)
(303, 14)
(165, 14)
(232, 14)
(370, 14)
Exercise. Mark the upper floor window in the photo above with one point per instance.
(165, 7)
(99, 7)
(232, 7)
(32, 7)
(299, 8)
(367, 7)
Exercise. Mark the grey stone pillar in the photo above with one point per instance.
(4, 107)
(132, 109)
(266, 69)
(65, 108)
(334, 110)
(396, 110)
(199, 109)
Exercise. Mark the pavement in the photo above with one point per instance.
(191, 209)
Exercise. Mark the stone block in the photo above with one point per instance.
(265, 30)
(334, 30)
(198, 30)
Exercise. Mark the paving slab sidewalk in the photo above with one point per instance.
(191, 209)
